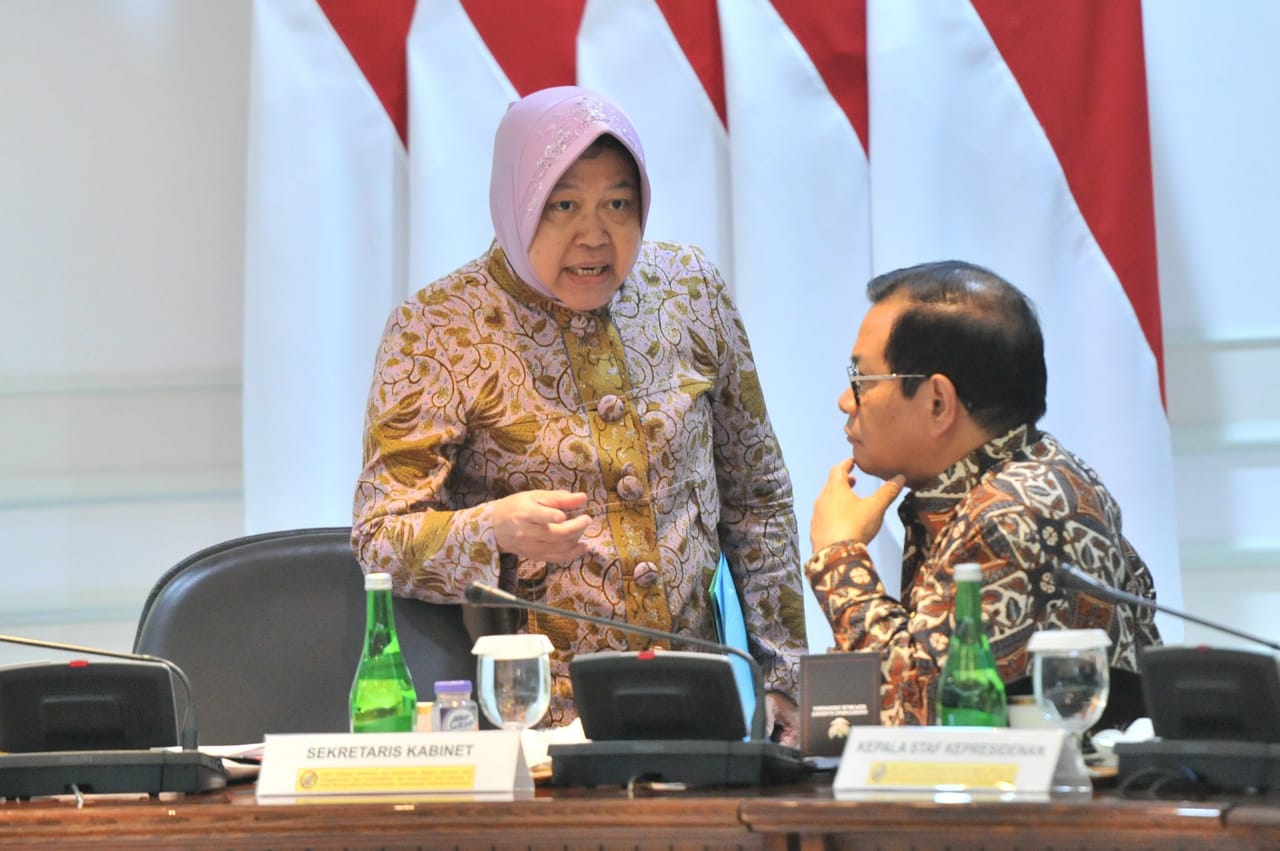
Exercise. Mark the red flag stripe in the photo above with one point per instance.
(696, 26)
(834, 34)
(376, 43)
(535, 44)
(1081, 66)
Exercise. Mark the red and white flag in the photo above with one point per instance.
(324, 246)
(1014, 135)
(795, 79)
(803, 146)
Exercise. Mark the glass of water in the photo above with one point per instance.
(1071, 676)
(513, 679)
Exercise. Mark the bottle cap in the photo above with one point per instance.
(969, 571)
(453, 686)
(377, 582)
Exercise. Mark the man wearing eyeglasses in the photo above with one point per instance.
(947, 381)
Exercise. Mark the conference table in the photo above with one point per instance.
(800, 816)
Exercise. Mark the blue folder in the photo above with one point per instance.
(731, 629)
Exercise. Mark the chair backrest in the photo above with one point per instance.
(269, 629)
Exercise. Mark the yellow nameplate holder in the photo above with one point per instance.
(326, 767)
(970, 761)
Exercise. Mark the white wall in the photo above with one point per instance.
(122, 154)
(122, 162)
(1215, 113)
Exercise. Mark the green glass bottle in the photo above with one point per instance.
(382, 696)
(970, 691)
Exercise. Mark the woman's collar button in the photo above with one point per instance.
(611, 408)
(582, 325)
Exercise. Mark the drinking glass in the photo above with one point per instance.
(513, 679)
(1071, 677)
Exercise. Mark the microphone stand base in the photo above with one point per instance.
(694, 762)
(1209, 764)
(31, 775)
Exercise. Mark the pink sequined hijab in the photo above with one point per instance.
(539, 138)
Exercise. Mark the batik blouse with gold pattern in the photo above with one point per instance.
(651, 406)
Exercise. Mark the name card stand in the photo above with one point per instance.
(326, 767)
(960, 763)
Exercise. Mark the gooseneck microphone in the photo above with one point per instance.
(1073, 577)
(188, 736)
(486, 595)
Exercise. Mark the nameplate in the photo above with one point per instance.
(333, 766)
(983, 760)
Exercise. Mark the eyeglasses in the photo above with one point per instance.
(857, 379)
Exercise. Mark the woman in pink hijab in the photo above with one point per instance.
(576, 416)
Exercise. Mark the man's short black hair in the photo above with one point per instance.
(974, 327)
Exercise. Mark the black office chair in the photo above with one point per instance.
(269, 630)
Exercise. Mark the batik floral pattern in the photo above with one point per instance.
(651, 406)
(1018, 506)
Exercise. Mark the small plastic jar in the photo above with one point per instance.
(454, 710)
